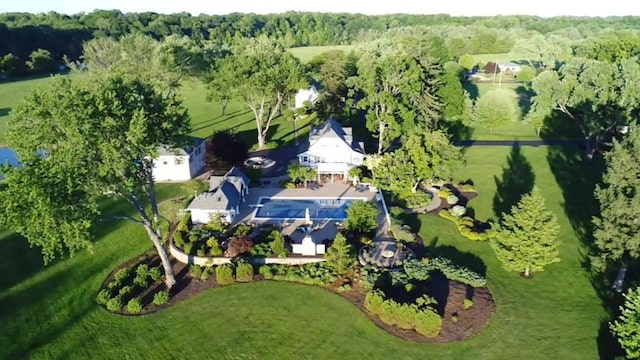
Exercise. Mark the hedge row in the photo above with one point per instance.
(466, 227)
(421, 318)
(456, 272)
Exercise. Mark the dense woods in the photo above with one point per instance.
(51, 36)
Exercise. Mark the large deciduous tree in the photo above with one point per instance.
(332, 69)
(362, 217)
(627, 327)
(617, 227)
(79, 142)
(396, 90)
(494, 109)
(261, 74)
(597, 95)
(527, 239)
(224, 150)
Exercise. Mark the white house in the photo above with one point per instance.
(303, 95)
(509, 67)
(179, 164)
(224, 197)
(331, 150)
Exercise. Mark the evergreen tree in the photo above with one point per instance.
(340, 255)
(617, 228)
(527, 239)
(627, 327)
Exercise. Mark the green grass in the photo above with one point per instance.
(206, 117)
(306, 53)
(50, 312)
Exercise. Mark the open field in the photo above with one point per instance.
(205, 116)
(306, 53)
(50, 312)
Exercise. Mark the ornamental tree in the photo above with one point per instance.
(527, 239)
(362, 217)
(80, 142)
(340, 256)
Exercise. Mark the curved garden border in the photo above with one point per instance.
(451, 331)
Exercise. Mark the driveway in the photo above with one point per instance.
(282, 156)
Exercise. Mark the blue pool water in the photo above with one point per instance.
(319, 209)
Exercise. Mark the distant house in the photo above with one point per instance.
(491, 68)
(307, 95)
(332, 150)
(179, 164)
(224, 197)
(509, 67)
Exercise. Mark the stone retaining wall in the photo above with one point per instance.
(210, 260)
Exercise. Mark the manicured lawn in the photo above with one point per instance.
(306, 53)
(50, 312)
(205, 116)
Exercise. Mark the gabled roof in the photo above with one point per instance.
(192, 144)
(225, 192)
(226, 197)
(332, 129)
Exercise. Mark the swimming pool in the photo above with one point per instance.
(294, 208)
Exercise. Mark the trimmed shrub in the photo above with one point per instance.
(201, 252)
(458, 210)
(134, 306)
(195, 271)
(266, 272)
(373, 301)
(114, 304)
(343, 288)
(456, 272)
(122, 275)
(396, 211)
(467, 304)
(244, 271)
(188, 247)
(261, 250)
(452, 199)
(224, 274)
(428, 323)
(444, 193)
(418, 200)
(142, 270)
(206, 274)
(155, 273)
(103, 297)
(193, 238)
(216, 251)
(182, 227)
(467, 187)
(161, 297)
(242, 230)
(178, 239)
(365, 241)
(125, 292)
(276, 242)
(213, 242)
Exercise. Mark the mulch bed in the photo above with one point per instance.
(470, 321)
(464, 198)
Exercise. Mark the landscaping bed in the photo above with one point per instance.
(459, 321)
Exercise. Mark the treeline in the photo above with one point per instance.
(32, 43)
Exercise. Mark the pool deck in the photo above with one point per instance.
(325, 229)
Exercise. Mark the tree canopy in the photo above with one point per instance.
(494, 109)
(80, 142)
(260, 74)
(617, 228)
(627, 327)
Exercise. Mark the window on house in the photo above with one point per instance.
(305, 158)
(179, 161)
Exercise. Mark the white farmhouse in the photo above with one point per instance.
(331, 150)
(509, 67)
(224, 197)
(306, 95)
(179, 164)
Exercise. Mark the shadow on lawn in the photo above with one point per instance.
(463, 258)
(577, 177)
(517, 180)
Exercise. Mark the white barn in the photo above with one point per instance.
(509, 67)
(331, 150)
(179, 164)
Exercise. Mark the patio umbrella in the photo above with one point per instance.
(307, 217)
